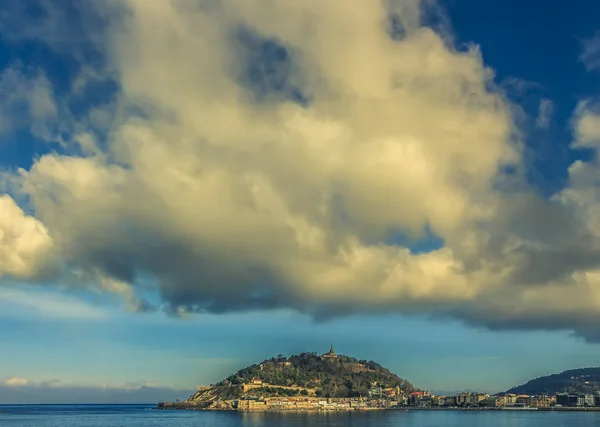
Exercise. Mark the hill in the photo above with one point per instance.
(585, 380)
(306, 374)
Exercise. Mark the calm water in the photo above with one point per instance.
(146, 416)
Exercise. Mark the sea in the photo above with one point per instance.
(148, 416)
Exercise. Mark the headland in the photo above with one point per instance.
(332, 382)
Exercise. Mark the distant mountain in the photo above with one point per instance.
(306, 374)
(585, 380)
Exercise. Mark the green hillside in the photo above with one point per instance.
(585, 380)
(306, 374)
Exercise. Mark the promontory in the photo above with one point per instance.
(301, 382)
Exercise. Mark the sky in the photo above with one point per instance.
(189, 187)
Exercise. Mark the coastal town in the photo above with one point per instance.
(393, 398)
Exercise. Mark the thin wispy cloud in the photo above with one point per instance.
(591, 53)
(15, 382)
(47, 304)
(17, 390)
(545, 113)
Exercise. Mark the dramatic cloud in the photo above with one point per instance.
(266, 154)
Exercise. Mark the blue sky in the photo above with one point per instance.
(178, 204)
(101, 345)
(532, 41)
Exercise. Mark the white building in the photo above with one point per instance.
(589, 400)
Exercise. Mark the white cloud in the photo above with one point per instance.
(238, 200)
(25, 245)
(545, 113)
(15, 382)
(20, 390)
(587, 126)
(591, 52)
